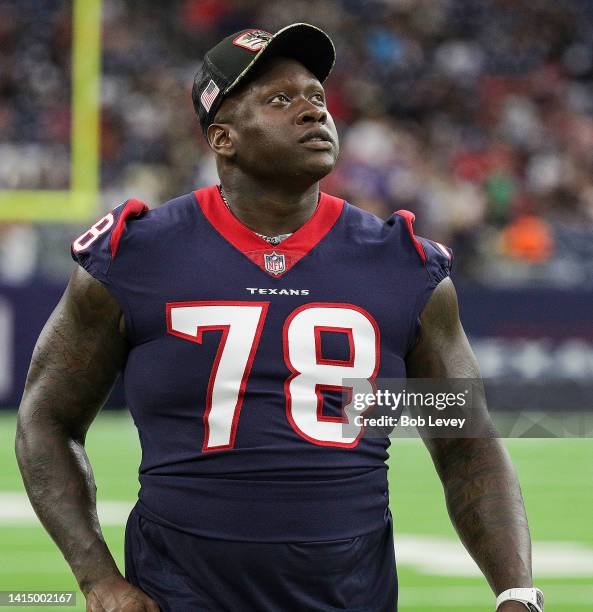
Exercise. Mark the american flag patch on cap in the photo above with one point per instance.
(209, 95)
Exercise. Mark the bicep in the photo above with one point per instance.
(76, 359)
(442, 349)
(443, 352)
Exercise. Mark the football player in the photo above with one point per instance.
(235, 313)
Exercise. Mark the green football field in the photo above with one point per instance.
(434, 571)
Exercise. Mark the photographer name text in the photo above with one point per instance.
(407, 421)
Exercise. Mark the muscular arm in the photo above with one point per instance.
(481, 488)
(75, 363)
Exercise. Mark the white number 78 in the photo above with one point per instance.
(241, 324)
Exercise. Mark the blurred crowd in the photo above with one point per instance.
(475, 114)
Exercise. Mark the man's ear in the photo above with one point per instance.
(220, 140)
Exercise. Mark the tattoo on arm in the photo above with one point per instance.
(74, 365)
(481, 488)
(485, 504)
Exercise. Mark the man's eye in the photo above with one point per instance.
(280, 98)
(318, 98)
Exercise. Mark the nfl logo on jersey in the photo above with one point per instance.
(275, 263)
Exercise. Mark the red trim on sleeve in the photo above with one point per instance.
(294, 248)
(410, 217)
(132, 208)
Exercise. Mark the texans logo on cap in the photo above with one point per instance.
(253, 40)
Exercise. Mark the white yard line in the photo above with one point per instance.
(16, 510)
(438, 556)
(430, 555)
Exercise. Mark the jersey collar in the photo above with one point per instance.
(275, 260)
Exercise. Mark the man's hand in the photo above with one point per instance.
(114, 594)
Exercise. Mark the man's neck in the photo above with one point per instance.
(269, 211)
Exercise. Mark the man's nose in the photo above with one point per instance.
(311, 113)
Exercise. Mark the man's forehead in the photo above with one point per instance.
(274, 72)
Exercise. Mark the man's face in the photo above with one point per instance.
(280, 126)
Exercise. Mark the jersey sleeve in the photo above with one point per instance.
(96, 249)
(439, 259)
(436, 257)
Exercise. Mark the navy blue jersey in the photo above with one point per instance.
(238, 351)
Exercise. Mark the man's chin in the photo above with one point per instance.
(319, 168)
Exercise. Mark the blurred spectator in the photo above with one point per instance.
(475, 114)
(527, 238)
(18, 253)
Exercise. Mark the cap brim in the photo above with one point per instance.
(303, 42)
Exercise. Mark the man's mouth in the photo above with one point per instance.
(318, 145)
(317, 139)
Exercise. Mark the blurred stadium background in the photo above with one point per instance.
(475, 114)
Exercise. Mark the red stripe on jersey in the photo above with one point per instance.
(294, 248)
(446, 251)
(410, 217)
(132, 208)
